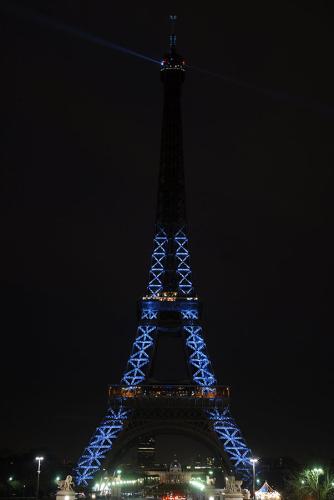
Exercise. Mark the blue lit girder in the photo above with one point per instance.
(183, 263)
(100, 444)
(139, 357)
(158, 262)
(198, 359)
(182, 256)
(202, 372)
(234, 444)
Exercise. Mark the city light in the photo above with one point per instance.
(39, 460)
(106, 485)
(197, 484)
(10, 478)
(254, 461)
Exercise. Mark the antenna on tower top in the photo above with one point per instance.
(172, 36)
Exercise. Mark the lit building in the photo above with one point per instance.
(174, 475)
(146, 451)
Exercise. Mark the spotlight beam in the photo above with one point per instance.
(43, 20)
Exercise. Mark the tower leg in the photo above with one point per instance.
(234, 444)
(99, 445)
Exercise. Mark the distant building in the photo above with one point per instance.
(174, 475)
(146, 451)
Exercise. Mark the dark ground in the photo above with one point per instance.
(79, 162)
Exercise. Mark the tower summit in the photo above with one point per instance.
(147, 401)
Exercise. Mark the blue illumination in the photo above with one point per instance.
(172, 36)
(185, 303)
(139, 357)
(172, 40)
(198, 359)
(183, 263)
(99, 445)
(182, 258)
(234, 444)
(158, 262)
(149, 314)
(189, 314)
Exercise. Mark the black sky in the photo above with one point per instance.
(81, 133)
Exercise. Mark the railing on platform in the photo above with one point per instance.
(170, 395)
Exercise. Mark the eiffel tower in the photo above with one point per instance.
(195, 406)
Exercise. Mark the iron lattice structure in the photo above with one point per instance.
(100, 444)
(170, 306)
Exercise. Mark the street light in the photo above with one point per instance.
(39, 460)
(253, 461)
(317, 472)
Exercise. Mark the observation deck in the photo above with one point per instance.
(169, 396)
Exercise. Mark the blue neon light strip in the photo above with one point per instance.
(234, 444)
(189, 314)
(139, 356)
(158, 262)
(182, 256)
(183, 263)
(99, 445)
(198, 359)
(149, 314)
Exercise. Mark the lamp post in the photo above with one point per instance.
(39, 460)
(254, 461)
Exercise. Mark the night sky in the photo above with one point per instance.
(80, 155)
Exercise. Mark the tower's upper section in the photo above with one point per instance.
(171, 193)
(172, 67)
(172, 64)
(170, 274)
